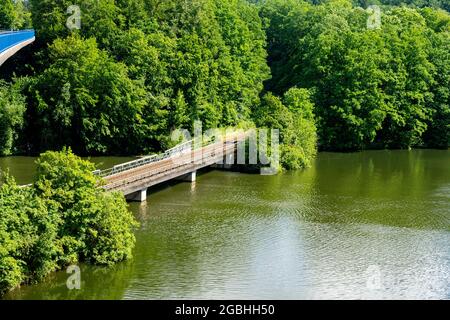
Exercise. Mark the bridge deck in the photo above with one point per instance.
(182, 163)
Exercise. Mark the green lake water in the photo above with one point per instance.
(374, 224)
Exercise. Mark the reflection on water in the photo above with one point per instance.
(315, 234)
(23, 168)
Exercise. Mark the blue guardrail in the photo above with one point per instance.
(10, 39)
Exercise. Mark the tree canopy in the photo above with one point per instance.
(62, 219)
(137, 69)
(14, 14)
(372, 88)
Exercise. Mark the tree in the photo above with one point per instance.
(28, 228)
(408, 77)
(371, 88)
(14, 15)
(63, 218)
(304, 139)
(137, 69)
(7, 14)
(99, 19)
(197, 60)
(86, 100)
(438, 132)
(97, 226)
(12, 109)
(293, 116)
(22, 15)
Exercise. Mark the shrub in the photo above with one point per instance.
(63, 218)
(96, 225)
(28, 231)
(293, 116)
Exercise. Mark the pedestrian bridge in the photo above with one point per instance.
(12, 41)
(181, 163)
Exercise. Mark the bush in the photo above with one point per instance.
(293, 157)
(304, 136)
(294, 117)
(97, 225)
(28, 231)
(109, 238)
(63, 218)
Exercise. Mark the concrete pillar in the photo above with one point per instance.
(190, 177)
(139, 196)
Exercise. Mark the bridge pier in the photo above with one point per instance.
(139, 196)
(190, 177)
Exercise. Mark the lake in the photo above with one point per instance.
(368, 225)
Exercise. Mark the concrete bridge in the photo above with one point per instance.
(13, 41)
(181, 163)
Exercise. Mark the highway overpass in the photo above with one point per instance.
(13, 41)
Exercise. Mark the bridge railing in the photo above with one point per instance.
(2, 31)
(209, 156)
(175, 151)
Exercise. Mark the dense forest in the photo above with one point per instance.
(387, 87)
(138, 69)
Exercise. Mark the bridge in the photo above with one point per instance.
(181, 163)
(13, 41)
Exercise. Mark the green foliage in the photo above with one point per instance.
(293, 116)
(293, 158)
(62, 219)
(438, 133)
(28, 231)
(6, 14)
(86, 100)
(97, 225)
(12, 109)
(14, 15)
(444, 4)
(372, 88)
(157, 65)
(138, 69)
(108, 235)
(304, 137)
(23, 16)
